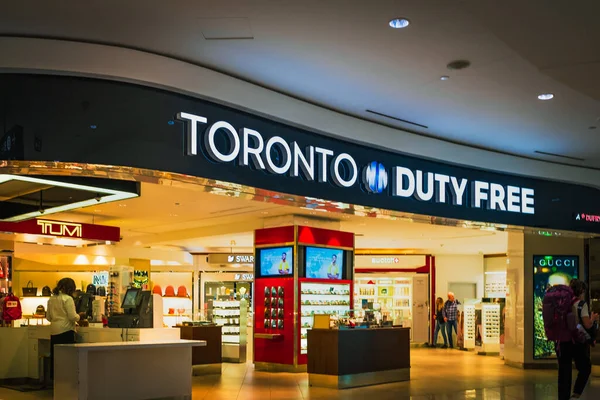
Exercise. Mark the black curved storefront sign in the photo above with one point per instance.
(104, 122)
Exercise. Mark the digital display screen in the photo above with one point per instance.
(547, 272)
(130, 299)
(324, 263)
(277, 261)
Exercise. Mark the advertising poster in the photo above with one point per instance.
(324, 263)
(278, 261)
(547, 272)
(5, 273)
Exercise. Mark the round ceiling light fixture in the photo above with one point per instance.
(444, 77)
(546, 96)
(399, 23)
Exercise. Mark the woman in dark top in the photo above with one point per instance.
(440, 324)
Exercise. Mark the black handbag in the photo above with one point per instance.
(46, 291)
(29, 290)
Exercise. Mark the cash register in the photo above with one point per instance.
(139, 309)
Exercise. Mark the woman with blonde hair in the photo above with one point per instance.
(440, 324)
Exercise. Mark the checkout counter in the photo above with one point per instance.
(24, 348)
(346, 358)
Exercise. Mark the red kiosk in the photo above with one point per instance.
(300, 272)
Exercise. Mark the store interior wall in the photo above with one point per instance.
(495, 264)
(514, 323)
(458, 269)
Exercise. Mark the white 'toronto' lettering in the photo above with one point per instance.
(286, 154)
(324, 153)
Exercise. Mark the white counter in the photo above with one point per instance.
(125, 370)
(22, 347)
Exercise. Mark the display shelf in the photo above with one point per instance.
(490, 318)
(469, 326)
(232, 316)
(392, 295)
(310, 292)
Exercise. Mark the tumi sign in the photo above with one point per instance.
(57, 228)
(63, 229)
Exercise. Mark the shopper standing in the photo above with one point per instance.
(450, 317)
(440, 324)
(568, 352)
(62, 315)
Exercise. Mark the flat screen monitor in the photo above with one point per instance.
(278, 261)
(324, 263)
(130, 301)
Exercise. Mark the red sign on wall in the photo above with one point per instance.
(73, 230)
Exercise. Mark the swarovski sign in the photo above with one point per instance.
(277, 156)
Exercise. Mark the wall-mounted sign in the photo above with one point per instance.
(57, 228)
(556, 261)
(220, 143)
(231, 258)
(223, 143)
(100, 278)
(244, 277)
(385, 260)
(587, 218)
(63, 229)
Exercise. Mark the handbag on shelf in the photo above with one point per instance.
(46, 291)
(29, 290)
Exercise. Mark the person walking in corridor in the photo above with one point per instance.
(576, 350)
(450, 317)
(440, 324)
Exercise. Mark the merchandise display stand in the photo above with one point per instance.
(233, 317)
(300, 272)
(490, 326)
(469, 329)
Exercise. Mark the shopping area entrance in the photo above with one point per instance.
(198, 253)
(362, 236)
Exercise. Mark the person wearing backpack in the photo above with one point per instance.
(578, 349)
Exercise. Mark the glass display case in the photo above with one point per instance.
(392, 295)
(228, 291)
(232, 316)
(177, 310)
(321, 298)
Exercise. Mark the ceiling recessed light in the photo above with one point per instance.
(399, 23)
(546, 96)
(444, 77)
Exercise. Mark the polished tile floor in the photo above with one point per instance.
(436, 374)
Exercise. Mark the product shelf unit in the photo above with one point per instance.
(321, 298)
(232, 315)
(393, 295)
